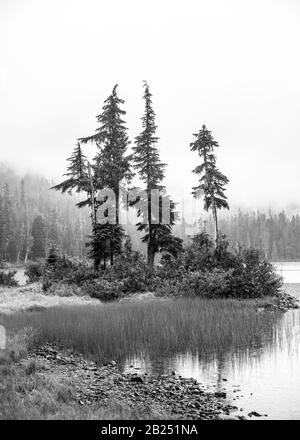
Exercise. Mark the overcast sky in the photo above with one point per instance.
(232, 65)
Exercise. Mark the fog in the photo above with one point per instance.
(232, 65)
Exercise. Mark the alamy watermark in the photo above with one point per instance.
(2, 338)
(156, 203)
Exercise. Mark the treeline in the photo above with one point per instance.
(276, 234)
(32, 219)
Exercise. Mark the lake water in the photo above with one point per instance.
(290, 271)
(264, 379)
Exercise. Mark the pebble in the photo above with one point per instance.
(180, 397)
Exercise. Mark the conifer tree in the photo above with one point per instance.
(39, 238)
(151, 171)
(80, 178)
(211, 181)
(6, 228)
(77, 173)
(105, 242)
(111, 164)
(111, 167)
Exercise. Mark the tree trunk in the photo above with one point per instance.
(150, 251)
(92, 191)
(26, 255)
(150, 257)
(215, 215)
(117, 206)
(96, 264)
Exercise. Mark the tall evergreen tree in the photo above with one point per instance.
(111, 168)
(6, 228)
(151, 171)
(111, 164)
(211, 181)
(39, 238)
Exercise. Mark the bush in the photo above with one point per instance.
(59, 269)
(34, 271)
(206, 270)
(8, 279)
(194, 284)
(62, 289)
(104, 290)
(256, 277)
(68, 270)
(202, 269)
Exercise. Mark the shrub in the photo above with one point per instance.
(62, 289)
(8, 279)
(59, 269)
(256, 277)
(198, 255)
(52, 256)
(34, 271)
(204, 270)
(104, 290)
(194, 284)
(128, 275)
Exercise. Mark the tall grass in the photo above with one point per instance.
(159, 327)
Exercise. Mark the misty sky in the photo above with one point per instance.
(232, 65)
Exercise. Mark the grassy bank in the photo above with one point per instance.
(117, 331)
(30, 389)
(31, 297)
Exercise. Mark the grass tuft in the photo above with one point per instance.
(119, 331)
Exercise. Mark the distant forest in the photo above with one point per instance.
(34, 218)
(276, 234)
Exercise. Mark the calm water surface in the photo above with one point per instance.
(264, 379)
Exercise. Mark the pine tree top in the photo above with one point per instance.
(145, 153)
(112, 131)
(111, 164)
(76, 172)
(78, 163)
(204, 142)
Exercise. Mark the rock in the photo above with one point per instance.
(254, 413)
(91, 368)
(137, 379)
(113, 363)
(220, 394)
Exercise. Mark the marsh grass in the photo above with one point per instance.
(154, 328)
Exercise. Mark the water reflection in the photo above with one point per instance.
(264, 377)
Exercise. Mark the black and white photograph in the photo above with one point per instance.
(149, 214)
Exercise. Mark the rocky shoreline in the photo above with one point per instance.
(168, 396)
(285, 302)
